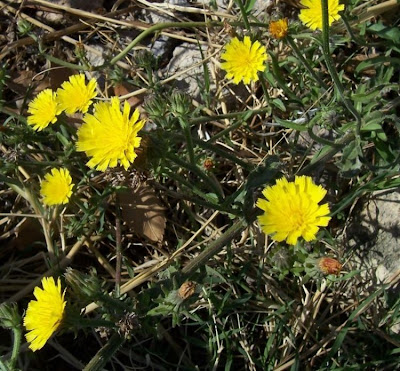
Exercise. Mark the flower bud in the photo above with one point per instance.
(155, 107)
(187, 289)
(84, 286)
(9, 316)
(24, 27)
(329, 265)
(208, 164)
(180, 104)
(278, 29)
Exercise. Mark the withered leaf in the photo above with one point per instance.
(123, 89)
(21, 81)
(142, 211)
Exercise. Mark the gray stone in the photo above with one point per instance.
(374, 237)
(185, 56)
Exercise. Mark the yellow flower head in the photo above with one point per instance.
(278, 29)
(109, 136)
(243, 59)
(74, 95)
(312, 15)
(292, 210)
(44, 315)
(56, 188)
(44, 110)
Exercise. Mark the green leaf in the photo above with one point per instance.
(371, 126)
(278, 103)
(366, 97)
(388, 33)
(350, 164)
(378, 60)
(249, 5)
(291, 124)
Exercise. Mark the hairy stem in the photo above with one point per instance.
(104, 354)
(331, 66)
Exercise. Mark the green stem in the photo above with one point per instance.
(322, 141)
(195, 170)
(299, 55)
(280, 80)
(231, 115)
(187, 197)
(118, 248)
(193, 189)
(244, 15)
(17, 332)
(221, 152)
(3, 366)
(264, 88)
(223, 132)
(215, 247)
(60, 62)
(181, 180)
(189, 142)
(331, 66)
(36, 206)
(159, 27)
(316, 161)
(104, 354)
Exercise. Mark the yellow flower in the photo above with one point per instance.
(44, 315)
(292, 210)
(109, 136)
(74, 95)
(312, 15)
(56, 188)
(243, 59)
(278, 29)
(44, 110)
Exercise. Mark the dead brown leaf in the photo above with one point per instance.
(21, 81)
(123, 89)
(27, 233)
(143, 212)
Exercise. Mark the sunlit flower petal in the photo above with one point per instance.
(44, 315)
(56, 188)
(109, 136)
(312, 15)
(43, 110)
(243, 60)
(74, 95)
(292, 210)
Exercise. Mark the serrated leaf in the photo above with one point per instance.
(350, 164)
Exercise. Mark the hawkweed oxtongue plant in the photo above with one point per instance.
(247, 271)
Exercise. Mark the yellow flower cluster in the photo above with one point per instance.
(242, 60)
(109, 136)
(73, 96)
